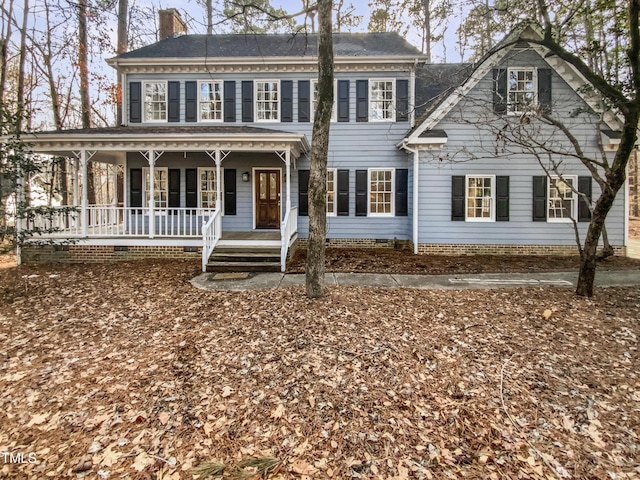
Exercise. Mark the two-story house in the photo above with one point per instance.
(215, 152)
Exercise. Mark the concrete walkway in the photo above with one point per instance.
(244, 281)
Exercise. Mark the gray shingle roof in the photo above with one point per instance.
(274, 45)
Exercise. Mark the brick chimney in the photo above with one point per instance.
(171, 23)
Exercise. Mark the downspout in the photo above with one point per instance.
(416, 178)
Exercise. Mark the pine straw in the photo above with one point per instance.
(127, 370)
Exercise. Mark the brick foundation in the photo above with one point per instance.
(461, 249)
(103, 254)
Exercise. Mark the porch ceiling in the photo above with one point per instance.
(109, 142)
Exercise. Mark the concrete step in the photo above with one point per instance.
(244, 257)
(218, 266)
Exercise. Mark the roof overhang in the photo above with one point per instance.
(222, 64)
(65, 143)
(427, 140)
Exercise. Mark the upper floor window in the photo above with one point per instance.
(267, 101)
(480, 198)
(521, 89)
(155, 101)
(210, 101)
(562, 206)
(381, 100)
(314, 104)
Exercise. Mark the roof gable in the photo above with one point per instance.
(517, 39)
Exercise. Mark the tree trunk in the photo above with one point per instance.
(4, 48)
(85, 102)
(209, 17)
(616, 177)
(123, 42)
(21, 73)
(315, 267)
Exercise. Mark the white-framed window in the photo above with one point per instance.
(562, 198)
(155, 101)
(314, 103)
(332, 195)
(381, 192)
(210, 102)
(267, 102)
(480, 198)
(160, 187)
(207, 187)
(382, 94)
(522, 88)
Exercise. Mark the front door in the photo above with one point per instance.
(267, 198)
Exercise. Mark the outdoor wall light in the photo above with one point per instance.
(245, 177)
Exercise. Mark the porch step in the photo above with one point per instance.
(240, 258)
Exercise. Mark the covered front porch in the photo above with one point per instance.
(191, 186)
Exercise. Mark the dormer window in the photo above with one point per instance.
(267, 101)
(155, 101)
(210, 102)
(522, 86)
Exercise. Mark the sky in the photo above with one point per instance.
(440, 53)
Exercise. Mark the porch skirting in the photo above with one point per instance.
(105, 253)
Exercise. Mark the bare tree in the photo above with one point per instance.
(319, 153)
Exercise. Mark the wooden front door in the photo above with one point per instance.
(267, 198)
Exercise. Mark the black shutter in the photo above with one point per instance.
(402, 192)
(343, 100)
(286, 96)
(500, 90)
(247, 101)
(304, 101)
(362, 100)
(502, 199)
(135, 187)
(361, 193)
(540, 199)
(402, 100)
(191, 101)
(230, 101)
(173, 111)
(174, 188)
(343, 193)
(135, 103)
(584, 187)
(303, 193)
(544, 89)
(229, 191)
(191, 190)
(457, 198)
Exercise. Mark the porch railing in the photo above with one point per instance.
(113, 221)
(288, 229)
(211, 233)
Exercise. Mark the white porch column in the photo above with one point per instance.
(114, 177)
(287, 161)
(416, 183)
(218, 160)
(84, 211)
(151, 158)
(76, 181)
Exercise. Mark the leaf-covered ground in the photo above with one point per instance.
(127, 371)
